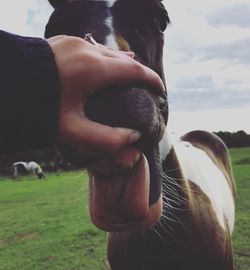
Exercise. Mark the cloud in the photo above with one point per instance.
(26, 17)
(213, 120)
(198, 83)
(237, 51)
(203, 93)
(234, 15)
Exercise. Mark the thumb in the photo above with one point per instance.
(92, 137)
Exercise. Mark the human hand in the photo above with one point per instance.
(83, 69)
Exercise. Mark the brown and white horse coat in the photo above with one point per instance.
(167, 203)
(198, 214)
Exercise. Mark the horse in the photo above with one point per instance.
(166, 203)
(27, 167)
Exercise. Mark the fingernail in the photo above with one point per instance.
(134, 136)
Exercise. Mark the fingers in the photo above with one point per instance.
(129, 53)
(109, 52)
(115, 67)
(130, 72)
(93, 137)
(140, 74)
(85, 68)
(123, 70)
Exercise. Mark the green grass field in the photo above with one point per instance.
(241, 236)
(45, 224)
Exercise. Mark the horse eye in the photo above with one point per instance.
(162, 20)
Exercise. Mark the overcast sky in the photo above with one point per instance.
(207, 58)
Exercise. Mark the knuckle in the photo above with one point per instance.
(73, 41)
(138, 69)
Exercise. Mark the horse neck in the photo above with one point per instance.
(169, 229)
(187, 223)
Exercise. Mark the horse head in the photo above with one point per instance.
(168, 204)
(125, 188)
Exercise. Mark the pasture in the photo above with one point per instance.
(44, 224)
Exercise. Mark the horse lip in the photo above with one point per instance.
(121, 203)
(116, 165)
(111, 226)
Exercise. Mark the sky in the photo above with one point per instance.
(206, 58)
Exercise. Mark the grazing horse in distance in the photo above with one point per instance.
(166, 203)
(27, 167)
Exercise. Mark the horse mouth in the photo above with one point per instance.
(119, 187)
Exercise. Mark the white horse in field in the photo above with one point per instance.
(28, 167)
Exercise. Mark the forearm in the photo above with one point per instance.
(29, 94)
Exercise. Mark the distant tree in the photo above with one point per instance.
(234, 139)
(63, 158)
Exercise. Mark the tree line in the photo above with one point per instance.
(234, 139)
(58, 158)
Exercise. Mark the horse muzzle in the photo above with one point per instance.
(125, 187)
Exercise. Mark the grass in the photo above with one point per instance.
(241, 236)
(46, 225)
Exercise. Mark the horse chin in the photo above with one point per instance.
(119, 192)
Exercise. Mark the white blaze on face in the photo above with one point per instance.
(111, 39)
(111, 2)
(199, 168)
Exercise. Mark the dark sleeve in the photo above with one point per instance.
(29, 93)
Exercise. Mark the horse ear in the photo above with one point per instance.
(56, 3)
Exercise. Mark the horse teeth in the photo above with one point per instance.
(115, 168)
(120, 170)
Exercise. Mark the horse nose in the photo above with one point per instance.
(125, 107)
